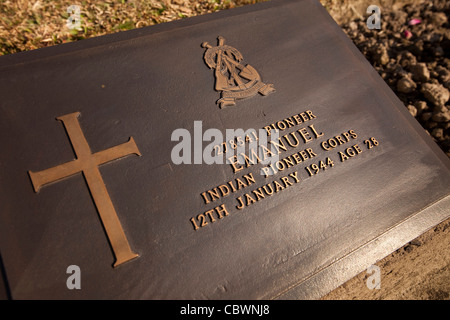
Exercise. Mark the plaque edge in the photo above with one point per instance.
(338, 272)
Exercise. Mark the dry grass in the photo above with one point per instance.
(32, 24)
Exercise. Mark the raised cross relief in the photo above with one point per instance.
(87, 163)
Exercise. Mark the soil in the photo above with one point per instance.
(411, 52)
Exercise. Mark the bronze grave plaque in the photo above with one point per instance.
(111, 162)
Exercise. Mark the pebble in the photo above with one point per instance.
(443, 74)
(441, 116)
(439, 18)
(447, 84)
(426, 116)
(433, 37)
(438, 133)
(435, 93)
(406, 85)
(420, 106)
(408, 248)
(420, 72)
(381, 55)
(412, 110)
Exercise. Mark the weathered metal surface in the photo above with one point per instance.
(357, 176)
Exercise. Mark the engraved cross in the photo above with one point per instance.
(87, 163)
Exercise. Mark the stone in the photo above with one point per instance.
(438, 133)
(441, 116)
(353, 26)
(381, 55)
(440, 109)
(435, 93)
(443, 74)
(447, 84)
(406, 58)
(439, 18)
(412, 110)
(420, 72)
(426, 116)
(406, 85)
(438, 51)
(433, 37)
(420, 106)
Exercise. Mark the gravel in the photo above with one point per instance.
(411, 52)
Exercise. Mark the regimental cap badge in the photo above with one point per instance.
(234, 79)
